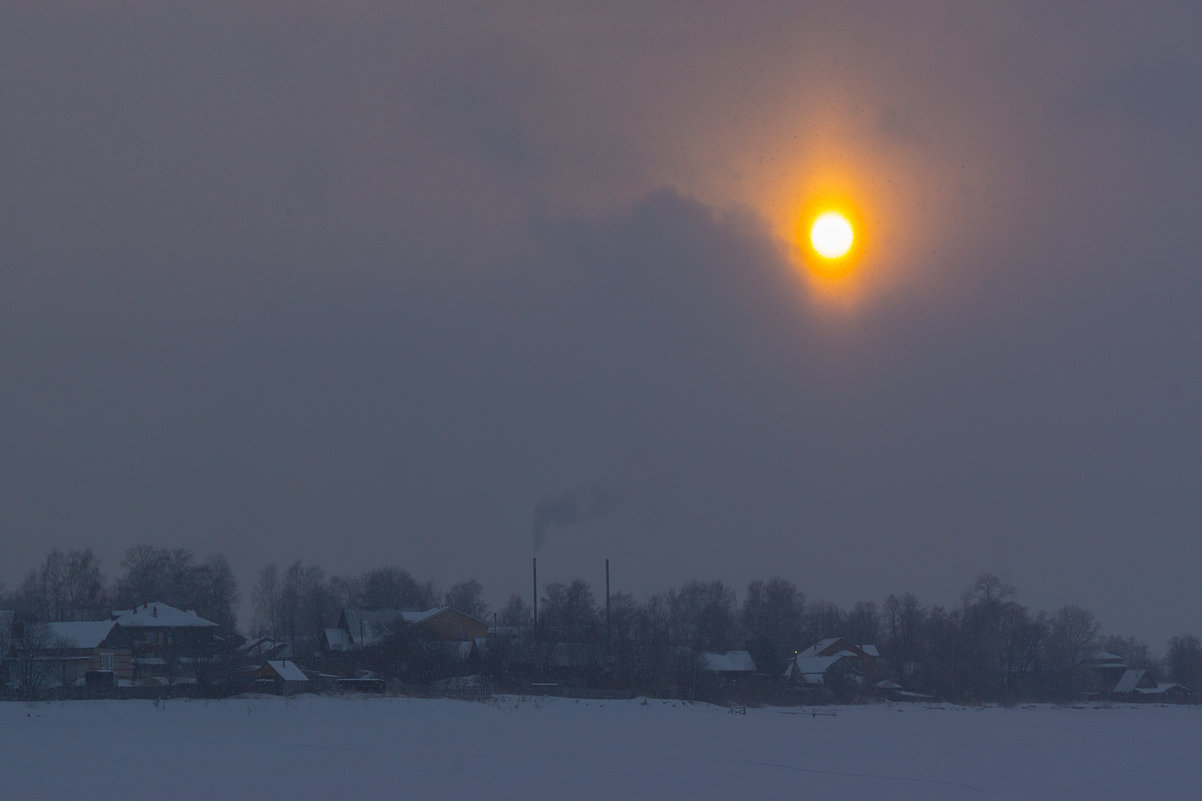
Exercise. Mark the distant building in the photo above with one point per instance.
(365, 627)
(283, 675)
(815, 664)
(171, 645)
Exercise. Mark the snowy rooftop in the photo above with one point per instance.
(160, 615)
(822, 645)
(369, 626)
(1129, 681)
(80, 635)
(288, 671)
(812, 668)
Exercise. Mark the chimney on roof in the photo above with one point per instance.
(154, 611)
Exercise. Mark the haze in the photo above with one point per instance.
(369, 284)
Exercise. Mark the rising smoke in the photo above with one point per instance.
(567, 509)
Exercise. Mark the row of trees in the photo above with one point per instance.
(69, 585)
(990, 646)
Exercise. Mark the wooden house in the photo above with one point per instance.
(814, 665)
(171, 644)
(283, 676)
(366, 627)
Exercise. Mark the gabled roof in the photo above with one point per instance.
(812, 668)
(1161, 689)
(160, 615)
(366, 627)
(1129, 681)
(286, 670)
(337, 639)
(838, 646)
(264, 643)
(729, 662)
(83, 635)
(1104, 659)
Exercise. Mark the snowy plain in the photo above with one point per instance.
(317, 747)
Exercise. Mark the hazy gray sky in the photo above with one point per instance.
(364, 284)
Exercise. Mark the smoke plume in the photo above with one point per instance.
(567, 509)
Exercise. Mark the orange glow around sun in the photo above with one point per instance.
(829, 242)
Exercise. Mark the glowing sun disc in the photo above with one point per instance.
(831, 235)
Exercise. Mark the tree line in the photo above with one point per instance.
(988, 647)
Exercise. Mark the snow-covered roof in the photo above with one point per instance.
(160, 615)
(1129, 680)
(818, 647)
(822, 645)
(424, 615)
(366, 627)
(816, 665)
(288, 671)
(1101, 659)
(263, 643)
(88, 634)
(1160, 689)
(729, 662)
(337, 639)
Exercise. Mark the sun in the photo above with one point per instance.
(831, 235)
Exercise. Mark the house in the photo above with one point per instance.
(171, 645)
(1169, 692)
(1133, 679)
(1111, 677)
(1105, 671)
(816, 664)
(284, 675)
(363, 627)
(66, 654)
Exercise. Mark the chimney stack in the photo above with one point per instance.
(607, 600)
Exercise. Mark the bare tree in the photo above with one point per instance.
(516, 612)
(467, 597)
(268, 613)
(1184, 661)
(1072, 637)
(67, 586)
(173, 576)
(772, 619)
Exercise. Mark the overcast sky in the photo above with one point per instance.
(404, 283)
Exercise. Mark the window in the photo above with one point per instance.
(106, 660)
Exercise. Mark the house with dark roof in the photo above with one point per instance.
(363, 627)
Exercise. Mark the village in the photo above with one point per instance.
(155, 649)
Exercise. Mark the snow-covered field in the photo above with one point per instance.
(314, 747)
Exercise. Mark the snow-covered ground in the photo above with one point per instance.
(313, 747)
